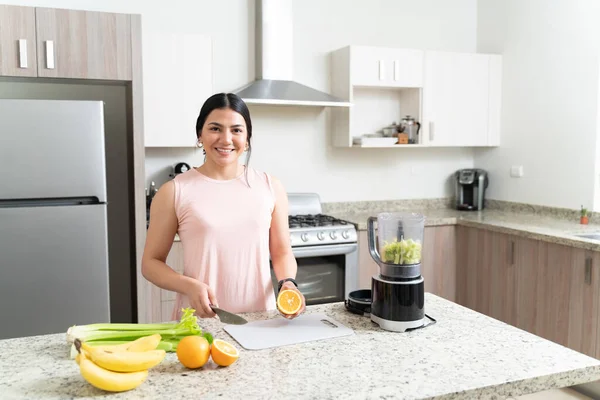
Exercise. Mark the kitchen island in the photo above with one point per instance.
(465, 355)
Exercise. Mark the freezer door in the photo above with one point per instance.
(52, 149)
(53, 269)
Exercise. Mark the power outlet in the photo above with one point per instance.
(516, 171)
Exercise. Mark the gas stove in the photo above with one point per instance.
(310, 227)
(325, 249)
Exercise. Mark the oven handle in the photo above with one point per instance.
(327, 250)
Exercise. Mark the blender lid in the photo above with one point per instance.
(362, 296)
(359, 302)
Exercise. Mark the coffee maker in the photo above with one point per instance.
(398, 291)
(470, 184)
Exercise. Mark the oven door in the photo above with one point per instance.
(322, 272)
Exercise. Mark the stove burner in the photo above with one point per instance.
(313, 220)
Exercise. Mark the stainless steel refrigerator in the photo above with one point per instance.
(53, 216)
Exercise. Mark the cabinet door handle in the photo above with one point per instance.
(50, 54)
(381, 70)
(512, 252)
(22, 53)
(396, 70)
(588, 270)
(431, 135)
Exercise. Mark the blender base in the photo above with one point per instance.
(397, 326)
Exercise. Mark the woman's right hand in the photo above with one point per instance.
(200, 296)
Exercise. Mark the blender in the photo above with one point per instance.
(398, 291)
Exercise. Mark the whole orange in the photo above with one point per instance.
(193, 351)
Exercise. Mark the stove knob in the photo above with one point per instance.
(333, 235)
(345, 234)
(304, 237)
(321, 235)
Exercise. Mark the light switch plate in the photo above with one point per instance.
(516, 171)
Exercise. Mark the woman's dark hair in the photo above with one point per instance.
(233, 102)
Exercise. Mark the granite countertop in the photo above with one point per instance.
(556, 229)
(465, 355)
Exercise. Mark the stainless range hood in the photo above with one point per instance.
(274, 62)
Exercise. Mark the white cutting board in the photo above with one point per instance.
(279, 331)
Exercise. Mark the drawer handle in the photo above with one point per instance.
(588, 270)
(381, 70)
(22, 53)
(49, 54)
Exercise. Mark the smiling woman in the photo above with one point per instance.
(228, 226)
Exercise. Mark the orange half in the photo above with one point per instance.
(223, 353)
(289, 301)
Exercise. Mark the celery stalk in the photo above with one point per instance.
(117, 333)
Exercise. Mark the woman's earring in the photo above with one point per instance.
(246, 149)
(200, 146)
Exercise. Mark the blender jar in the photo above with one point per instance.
(400, 237)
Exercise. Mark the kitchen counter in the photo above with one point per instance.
(465, 355)
(555, 229)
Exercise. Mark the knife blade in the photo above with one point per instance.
(227, 317)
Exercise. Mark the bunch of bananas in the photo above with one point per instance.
(118, 368)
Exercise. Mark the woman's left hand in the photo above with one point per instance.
(290, 286)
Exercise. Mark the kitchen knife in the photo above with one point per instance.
(228, 318)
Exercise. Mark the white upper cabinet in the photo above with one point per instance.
(455, 96)
(177, 81)
(380, 66)
(461, 99)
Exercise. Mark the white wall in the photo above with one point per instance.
(293, 143)
(549, 107)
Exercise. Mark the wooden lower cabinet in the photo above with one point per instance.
(485, 275)
(438, 265)
(557, 292)
(548, 289)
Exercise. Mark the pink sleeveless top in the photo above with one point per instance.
(224, 229)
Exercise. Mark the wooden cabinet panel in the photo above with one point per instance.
(584, 298)
(472, 272)
(17, 41)
(486, 263)
(439, 261)
(544, 288)
(500, 258)
(558, 296)
(83, 44)
(530, 259)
